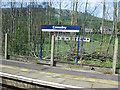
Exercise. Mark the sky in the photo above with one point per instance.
(95, 7)
(58, 0)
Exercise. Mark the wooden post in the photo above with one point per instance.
(52, 50)
(6, 46)
(115, 55)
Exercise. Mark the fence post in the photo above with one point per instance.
(115, 55)
(52, 50)
(6, 46)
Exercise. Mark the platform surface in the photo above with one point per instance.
(55, 75)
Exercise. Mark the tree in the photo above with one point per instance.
(75, 24)
(102, 31)
(72, 22)
(114, 29)
(59, 22)
(83, 31)
(76, 12)
(59, 13)
(50, 19)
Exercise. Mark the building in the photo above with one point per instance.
(89, 30)
(118, 31)
(106, 30)
(67, 38)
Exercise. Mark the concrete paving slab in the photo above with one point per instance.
(102, 85)
(80, 83)
(12, 71)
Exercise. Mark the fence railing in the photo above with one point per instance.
(54, 55)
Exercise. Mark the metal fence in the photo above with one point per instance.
(22, 21)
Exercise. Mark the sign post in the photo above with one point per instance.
(52, 50)
(6, 46)
(115, 55)
(60, 28)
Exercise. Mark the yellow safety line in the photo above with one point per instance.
(76, 77)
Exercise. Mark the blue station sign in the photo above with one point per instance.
(60, 28)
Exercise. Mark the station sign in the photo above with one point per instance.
(60, 28)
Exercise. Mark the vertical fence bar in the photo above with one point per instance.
(6, 46)
(52, 50)
(78, 46)
(115, 55)
(91, 48)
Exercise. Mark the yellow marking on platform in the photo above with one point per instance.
(69, 76)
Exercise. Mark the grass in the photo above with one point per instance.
(89, 47)
(105, 63)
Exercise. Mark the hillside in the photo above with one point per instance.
(40, 14)
(92, 21)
